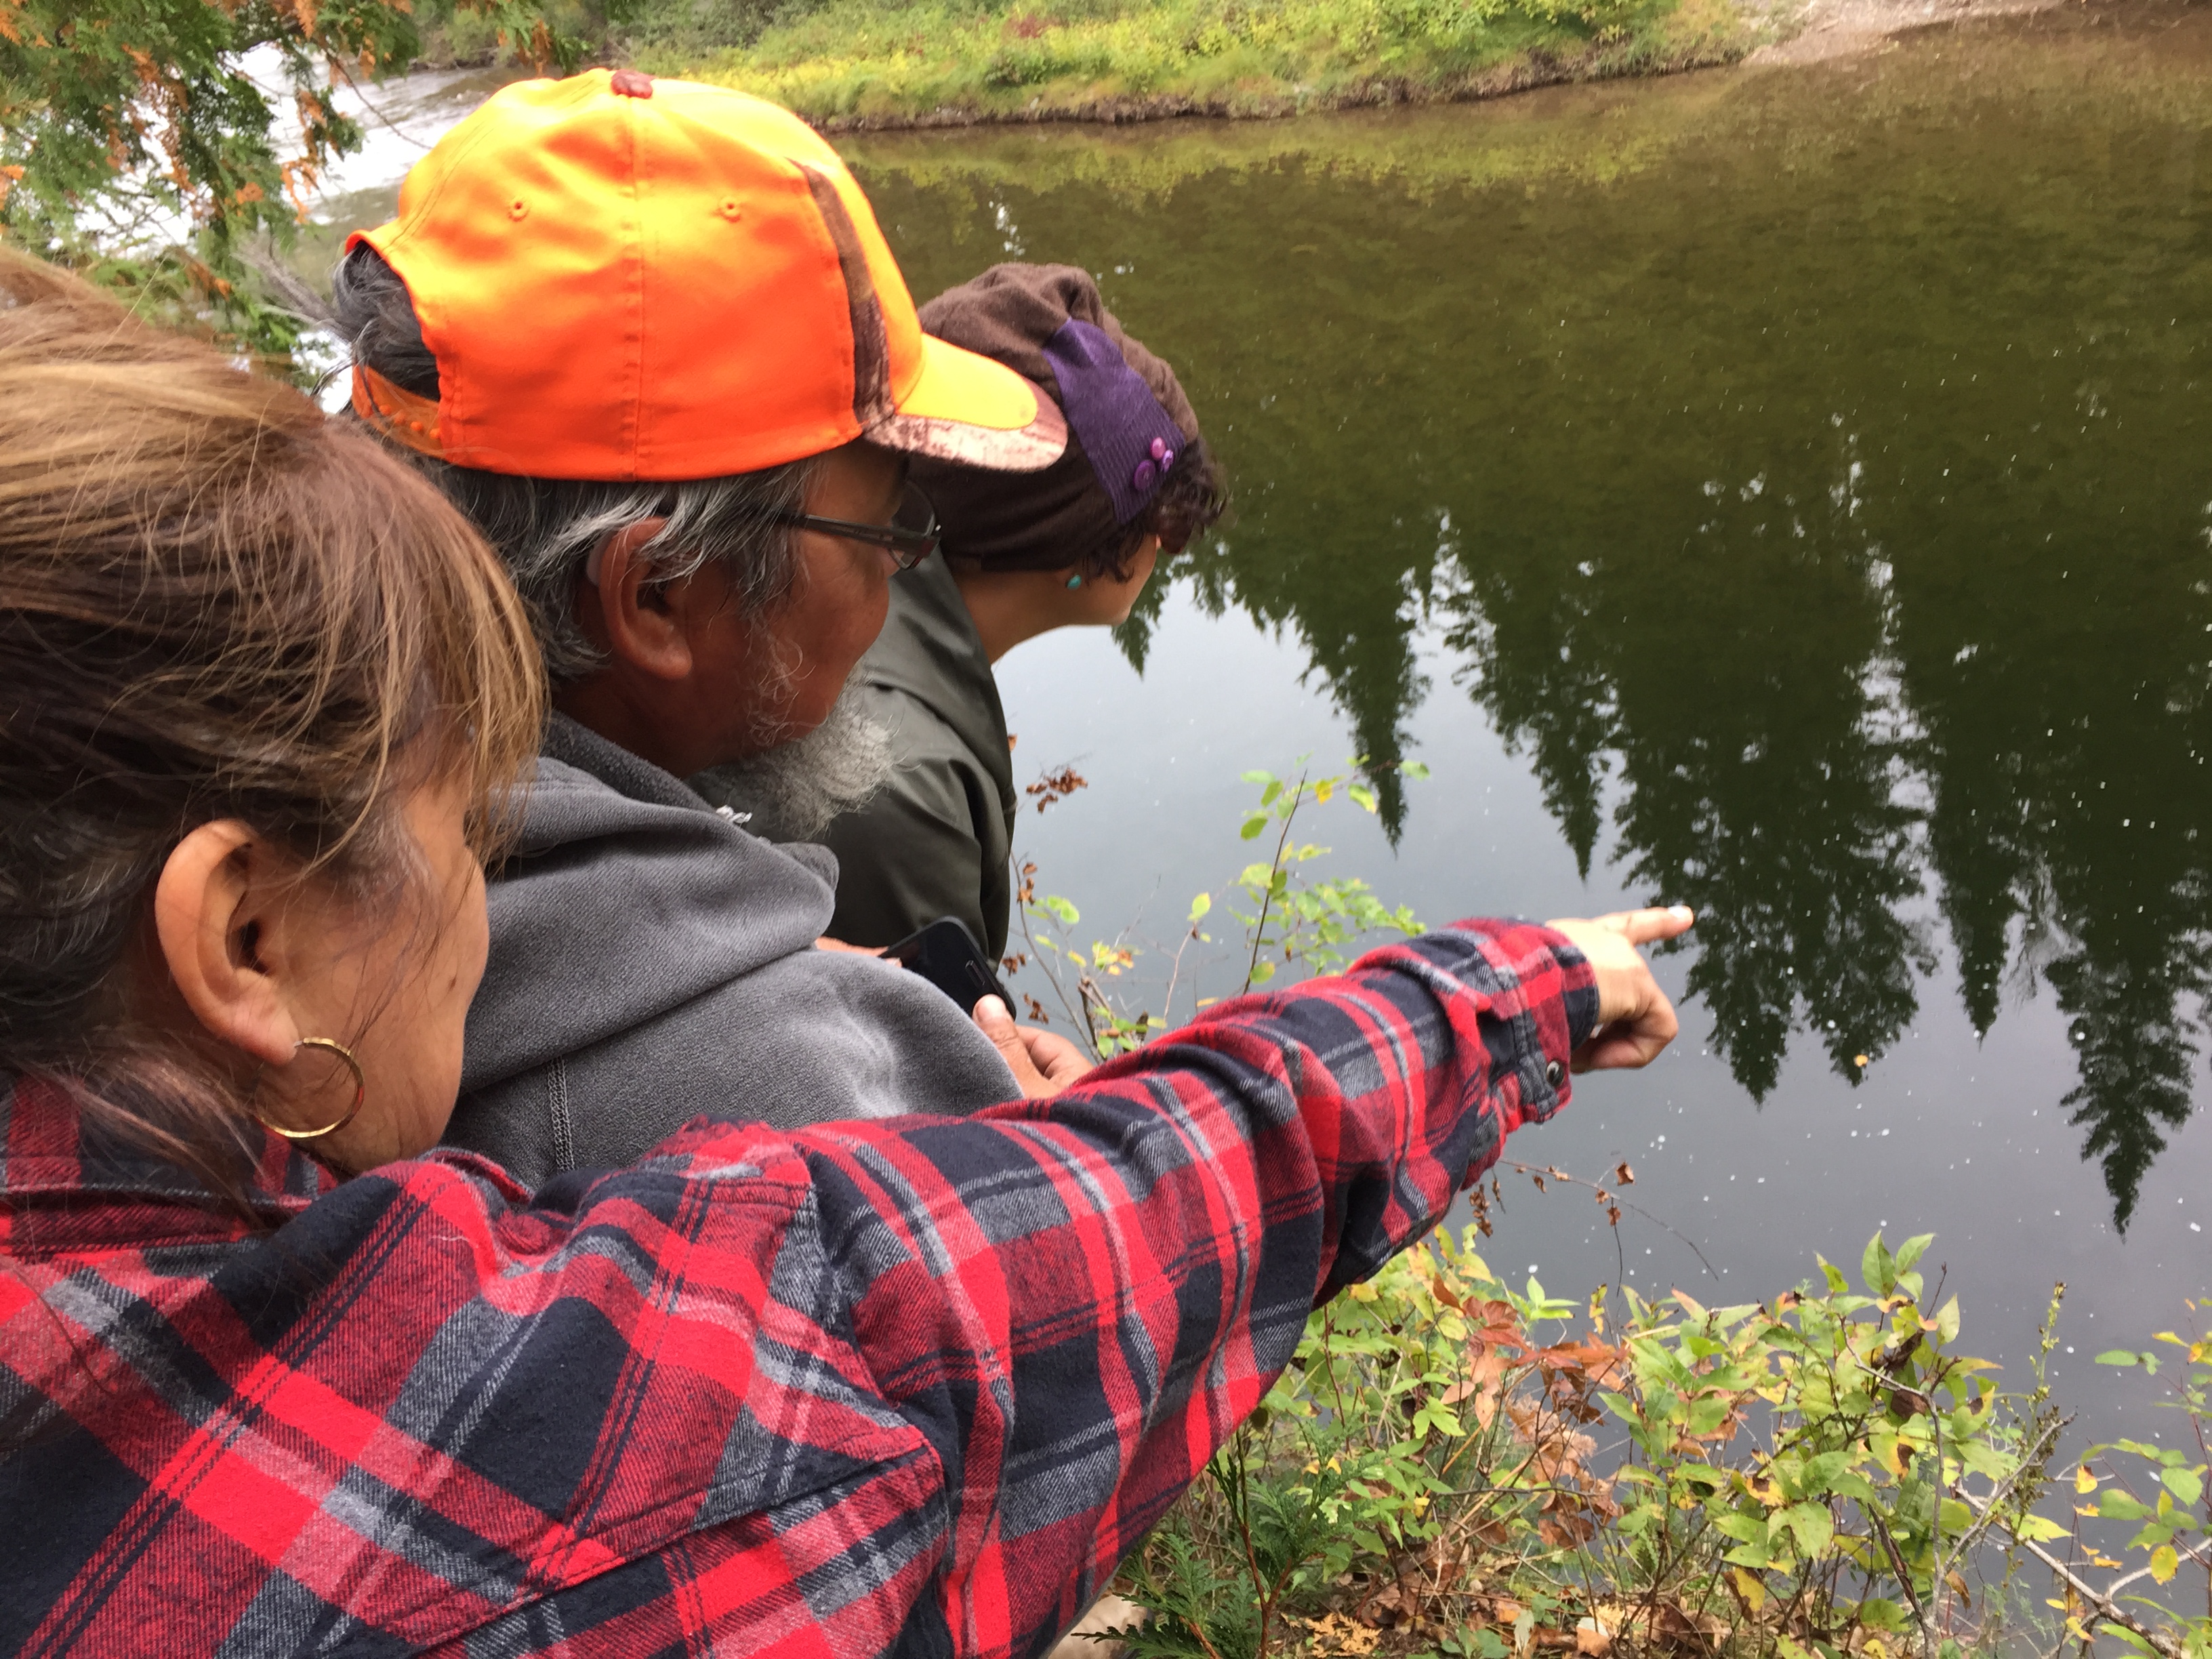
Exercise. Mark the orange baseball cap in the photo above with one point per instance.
(622, 278)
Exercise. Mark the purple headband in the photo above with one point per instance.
(1130, 439)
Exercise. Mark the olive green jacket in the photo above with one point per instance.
(934, 841)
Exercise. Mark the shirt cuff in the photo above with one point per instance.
(1546, 1008)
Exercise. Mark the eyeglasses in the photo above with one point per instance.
(911, 536)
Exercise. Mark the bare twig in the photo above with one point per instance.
(2107, 1609)
(404, 137)
(1904, 1579)
(1986, 1516)
(1550, 1173)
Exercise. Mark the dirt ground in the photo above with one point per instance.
(1819, 30)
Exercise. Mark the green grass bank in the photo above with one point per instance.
(850, 65)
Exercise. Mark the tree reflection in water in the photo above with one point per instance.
(1809, 477)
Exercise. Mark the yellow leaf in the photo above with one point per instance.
(1324, 789)
(2083, 1480)
(1752, 1588)
(2164, 1564)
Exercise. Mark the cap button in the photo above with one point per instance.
(1143, 476)
(631, 84)
(1160, 451)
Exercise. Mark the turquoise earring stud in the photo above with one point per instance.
(1075, 581)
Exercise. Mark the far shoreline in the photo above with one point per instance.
(1698, 34)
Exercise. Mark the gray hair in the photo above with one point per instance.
(546, 529)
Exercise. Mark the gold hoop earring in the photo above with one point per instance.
(360, 1092)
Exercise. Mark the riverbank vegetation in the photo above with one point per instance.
(1452, 1468)
(892, 63)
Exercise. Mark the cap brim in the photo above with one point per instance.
(964, 407)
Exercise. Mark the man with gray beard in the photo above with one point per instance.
(647, 335)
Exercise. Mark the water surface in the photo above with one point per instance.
(1784, 492)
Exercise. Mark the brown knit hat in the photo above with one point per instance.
(1133, 439)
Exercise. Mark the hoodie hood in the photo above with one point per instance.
(635, 897)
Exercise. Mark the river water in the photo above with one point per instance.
(1784, 491)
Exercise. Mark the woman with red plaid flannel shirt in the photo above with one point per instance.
(273, 1381)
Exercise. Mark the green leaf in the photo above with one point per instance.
(1263, 972)
(1876, 1613)
(1819, 1474)
(1837, 1283)
(1257, 777)
(2185, 1484)
(2121, 1357)
(1199, 906)
(1854, 1485)
(1253, 825)
(1062, 911)
(1812, 1524)
(1947, 1322)
(1877, 1268)
(1414, 769)
(1363, 794)
(2118, 1506)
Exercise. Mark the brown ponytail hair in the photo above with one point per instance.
(213, 604)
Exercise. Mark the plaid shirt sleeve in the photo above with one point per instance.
(909, 1386)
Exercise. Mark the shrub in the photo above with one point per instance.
(1820, 1473)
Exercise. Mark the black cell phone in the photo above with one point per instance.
(946, 955)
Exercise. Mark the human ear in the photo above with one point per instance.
(215, 926)
(623, 610)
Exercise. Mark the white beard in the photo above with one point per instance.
(795, 790)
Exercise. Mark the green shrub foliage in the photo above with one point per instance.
(1457, 1468)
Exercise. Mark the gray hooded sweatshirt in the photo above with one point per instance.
(651, 962)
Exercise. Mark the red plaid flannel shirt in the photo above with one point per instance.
(911, 1386)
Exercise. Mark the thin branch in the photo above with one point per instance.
(1552, 1174)
(1260, 928)
(405, 137)
(2106, 1608)
(1904, 1579)
(1987, 1517)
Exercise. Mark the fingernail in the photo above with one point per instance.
(1683, 911)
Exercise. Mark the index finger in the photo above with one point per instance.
(1646, 926)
